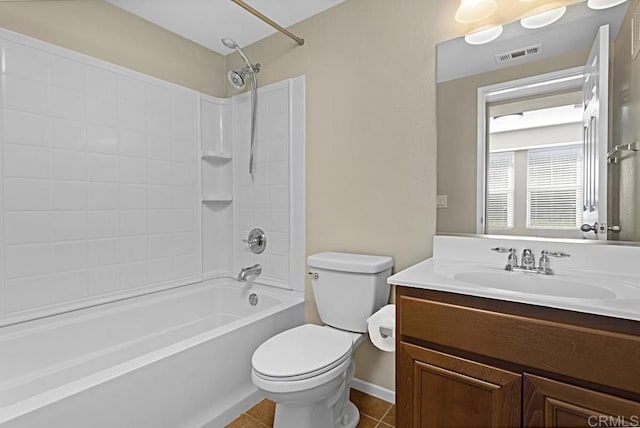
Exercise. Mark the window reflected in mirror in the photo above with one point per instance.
(535, 168)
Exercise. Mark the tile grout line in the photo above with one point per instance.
(258, 421)
(385, 415)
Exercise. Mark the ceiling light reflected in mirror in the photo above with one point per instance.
(484, 36)
(543, 19)
(604, 4)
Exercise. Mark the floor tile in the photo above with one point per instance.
(390, 417)
(374, 413)
(368, 405)
(367, 422)
(264, 411)
(245, 421)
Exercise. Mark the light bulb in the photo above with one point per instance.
(475, 10)
(543, 19)
(483, 36)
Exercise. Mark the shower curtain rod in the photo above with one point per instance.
(269, 21)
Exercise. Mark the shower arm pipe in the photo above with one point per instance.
(256, 13)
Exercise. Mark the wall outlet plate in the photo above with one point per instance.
(441, 201)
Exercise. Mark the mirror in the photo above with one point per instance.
(519, 150)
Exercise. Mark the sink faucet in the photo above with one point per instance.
(254, 270)
(528, 261)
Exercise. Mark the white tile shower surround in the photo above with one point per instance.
(101, 182)
(100, 191)
(263, 198)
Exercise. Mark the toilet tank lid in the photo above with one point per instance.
(349, 262)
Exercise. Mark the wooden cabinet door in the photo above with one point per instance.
(548, 403)
(444, 391)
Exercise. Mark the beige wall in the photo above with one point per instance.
(101, 30)
(371, 112)
(370, 132)
(626, 129)
(457, 138)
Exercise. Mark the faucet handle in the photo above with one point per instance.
(512, 260)
(545, 264)
(503, 250)
(558, 254)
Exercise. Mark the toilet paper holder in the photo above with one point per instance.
(386, 332)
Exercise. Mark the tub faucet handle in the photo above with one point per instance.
(256, 241)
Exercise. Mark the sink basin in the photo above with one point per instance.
(535, 284)
(565, 285)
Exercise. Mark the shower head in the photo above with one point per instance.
(230, 43)
(236, 79)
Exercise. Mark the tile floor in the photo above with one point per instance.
(374, 413)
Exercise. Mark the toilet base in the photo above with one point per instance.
(351, 416)
(316, 417)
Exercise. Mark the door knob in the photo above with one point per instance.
(588, 228)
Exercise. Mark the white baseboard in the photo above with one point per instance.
(374, 390)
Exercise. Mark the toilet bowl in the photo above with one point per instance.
(307, 370)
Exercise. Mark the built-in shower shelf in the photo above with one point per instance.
(217, 198)
(213, 155)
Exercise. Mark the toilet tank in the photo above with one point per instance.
(349, 288)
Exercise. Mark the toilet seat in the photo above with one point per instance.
(301, 353)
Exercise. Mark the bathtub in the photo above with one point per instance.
(177, 358)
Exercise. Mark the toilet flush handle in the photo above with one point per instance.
(314, 275)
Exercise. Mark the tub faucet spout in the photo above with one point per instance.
(254, 270)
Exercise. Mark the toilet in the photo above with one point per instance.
(307, 370)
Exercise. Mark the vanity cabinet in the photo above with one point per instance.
(472, 362)
(549, 403)
(454, 392)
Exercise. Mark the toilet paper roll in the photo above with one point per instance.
(382, 328)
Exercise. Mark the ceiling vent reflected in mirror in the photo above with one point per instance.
(518, 53)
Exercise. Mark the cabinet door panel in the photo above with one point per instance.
(451, 392)
(548, 403)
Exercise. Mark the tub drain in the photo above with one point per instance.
(253, 299)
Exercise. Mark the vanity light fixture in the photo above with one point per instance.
(475, 10)
(543, 19)
(483, 36)
(604, 4)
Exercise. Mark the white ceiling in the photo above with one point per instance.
(207, 21)
(576, 30)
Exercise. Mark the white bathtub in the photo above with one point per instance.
(178, 358)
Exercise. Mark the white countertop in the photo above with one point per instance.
(593, 292)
